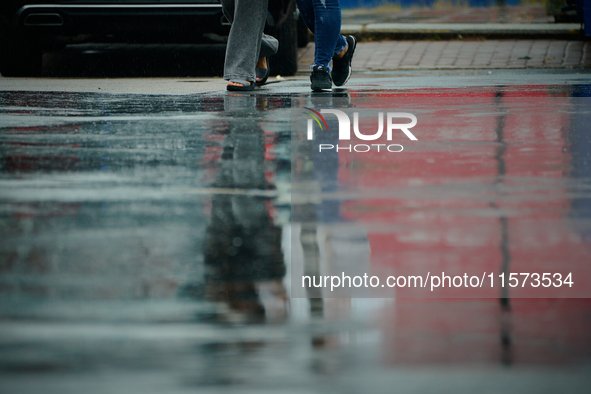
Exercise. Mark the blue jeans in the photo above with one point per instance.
(323, 18)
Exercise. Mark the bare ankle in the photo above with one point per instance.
(340, 55)
(262, 63)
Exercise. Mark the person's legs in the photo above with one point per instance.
(306, 8)
(246, 35)
(323, 18)
(341, 63)
(269, 46)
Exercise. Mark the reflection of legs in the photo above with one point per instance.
(242, 246)
(309, 240)
(246, 39)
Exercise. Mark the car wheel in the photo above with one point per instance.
(285, 61)
(19, 58)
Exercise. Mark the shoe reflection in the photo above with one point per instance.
(242, 252)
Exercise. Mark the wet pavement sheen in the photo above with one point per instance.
(151, 243)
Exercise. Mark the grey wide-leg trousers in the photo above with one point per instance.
(246, 42)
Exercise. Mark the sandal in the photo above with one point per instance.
(262, 73)
(246, 86)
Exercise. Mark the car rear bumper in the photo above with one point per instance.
(101, 19)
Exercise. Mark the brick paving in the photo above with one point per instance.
(422, 54)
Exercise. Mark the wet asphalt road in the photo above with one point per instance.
(151, 242)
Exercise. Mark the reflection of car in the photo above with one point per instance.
(28, 27)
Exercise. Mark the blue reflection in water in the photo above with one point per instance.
(580, 148)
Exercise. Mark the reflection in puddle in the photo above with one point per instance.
(160, 235)
(242, 244)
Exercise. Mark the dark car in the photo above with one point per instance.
(29, 27)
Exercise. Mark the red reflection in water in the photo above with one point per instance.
(503, 159)
(506, 164)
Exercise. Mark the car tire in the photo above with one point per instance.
(303, 33)
(19, 58)
(285, 61)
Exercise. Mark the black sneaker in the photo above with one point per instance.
(320, 79)
(341, 68)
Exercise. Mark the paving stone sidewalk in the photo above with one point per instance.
(458, 54)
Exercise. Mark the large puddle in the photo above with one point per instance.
(161, 241)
